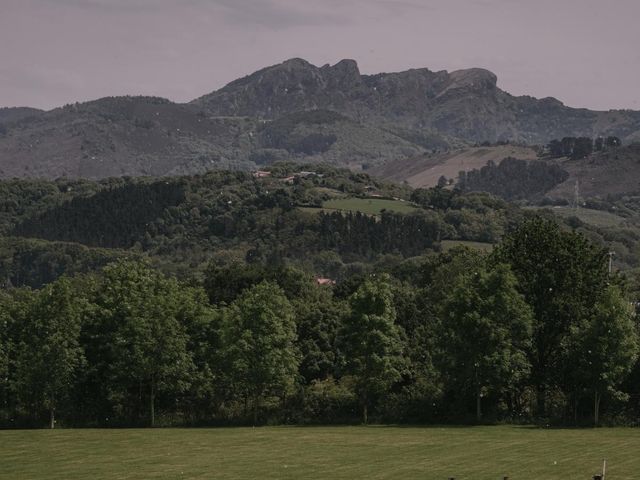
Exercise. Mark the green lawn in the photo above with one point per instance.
(466, 453)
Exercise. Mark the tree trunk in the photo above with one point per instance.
(52, 418)
(152, 404)
(596, 409)
(478, 395)
(540, 400)
(511, 403)
(255, 409)
(365, 407)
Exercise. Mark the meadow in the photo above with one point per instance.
(368, 206)
(374, 452)
(598, 218)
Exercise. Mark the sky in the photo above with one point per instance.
(52, 52)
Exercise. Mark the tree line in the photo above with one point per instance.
(580, 147)
(513, 179)
(536, 330)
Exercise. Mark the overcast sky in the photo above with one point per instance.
(584, 52)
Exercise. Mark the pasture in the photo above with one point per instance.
(597, 218)
(368, 206)
(375, 452)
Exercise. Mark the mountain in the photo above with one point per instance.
(135, 136)
(119, 136)
(293, 111)
(464, 104)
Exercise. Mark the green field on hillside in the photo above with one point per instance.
(426, 453)
(598, 218)
(368, 206)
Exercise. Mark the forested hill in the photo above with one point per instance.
(329, 222)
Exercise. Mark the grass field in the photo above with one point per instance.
(425, 171)
(426, 453)
(598, 218)
(369, 206)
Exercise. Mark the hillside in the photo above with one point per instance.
(328, 137)
(135, 136)
(611, 173)
(603, 175)
(328, 221)
(119, 136)
(425, 170)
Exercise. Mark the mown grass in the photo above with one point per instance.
(466, 453)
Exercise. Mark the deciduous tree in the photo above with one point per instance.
(609, 347)
(561, 275)
(486, 331)
(372, 341)
(258, 343)
(50, 355)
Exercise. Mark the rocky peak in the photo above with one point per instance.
(465, 104)
(344, 74)
(473, 79)
(345, 67)
(295, 64)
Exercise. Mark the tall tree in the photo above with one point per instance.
(6, 344)
(561, 275)
(148, 340)
(318, 317)
(609, 347)
(15, 313)
(372, 341)
(51, 354)
(258, 342)
(486, 330)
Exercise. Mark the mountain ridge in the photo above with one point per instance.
(386, 117)
(465, 103)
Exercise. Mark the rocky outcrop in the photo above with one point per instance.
(465, 104)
